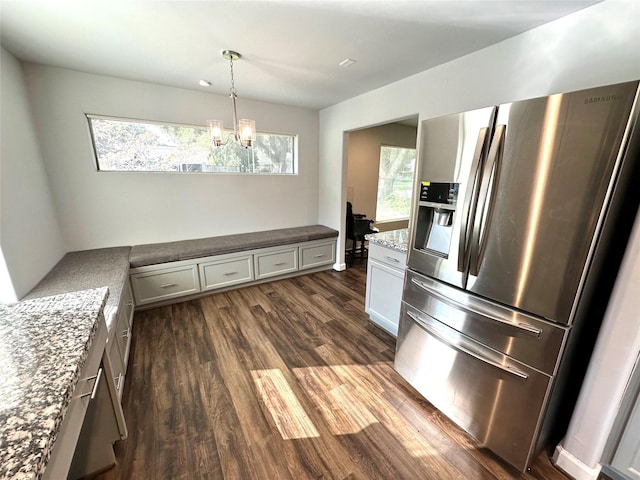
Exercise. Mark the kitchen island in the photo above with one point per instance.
(50, 351)
(385, 277)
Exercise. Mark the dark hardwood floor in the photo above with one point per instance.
(285, 380)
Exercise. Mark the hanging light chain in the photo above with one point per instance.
(232, 90)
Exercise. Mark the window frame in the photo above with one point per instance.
(411, 189)
(90, 116)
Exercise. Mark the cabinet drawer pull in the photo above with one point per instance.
(387, 257)
(320, 255)
(118, 381)
(279, 264)
(230, 273)
(94, 390)
(167, 285)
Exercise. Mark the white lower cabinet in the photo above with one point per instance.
(158, 284)
(385, 278)
(89, 380)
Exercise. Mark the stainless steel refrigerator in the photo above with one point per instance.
(520, 217)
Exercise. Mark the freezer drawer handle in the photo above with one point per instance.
(460, 348)
(530, 329)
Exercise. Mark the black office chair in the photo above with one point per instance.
(357, 226)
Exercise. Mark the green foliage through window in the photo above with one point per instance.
(136, 146)
(395, 183)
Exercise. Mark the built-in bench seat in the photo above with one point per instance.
(174, 271)
(110, 267)
(156, 253)
(178, 270)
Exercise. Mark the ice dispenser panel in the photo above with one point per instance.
(436, 209)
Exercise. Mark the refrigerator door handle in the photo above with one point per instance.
(470, 199)
(482, 219)
(467, 351)
(529, 329)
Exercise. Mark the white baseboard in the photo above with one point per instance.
(339, 267)
(573, 466)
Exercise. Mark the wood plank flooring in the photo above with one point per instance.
(285, 380)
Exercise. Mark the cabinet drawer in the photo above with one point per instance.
(276, 263)
(316, 255)
(387, 256)
(164, 284)
(223, 273)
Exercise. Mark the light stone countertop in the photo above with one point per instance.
(395, 239)
(87, 269)
(43, 347)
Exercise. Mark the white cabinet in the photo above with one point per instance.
(89, 380)
(119, 341)
(385, 278)
(626, 454)
(160, 284)
(165, 283)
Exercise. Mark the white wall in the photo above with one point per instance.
(102, 209)
(30, 239)
(592, 47)
(611, 366)
(363, 162)
(595, 46)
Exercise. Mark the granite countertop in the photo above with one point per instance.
(87, 269)
(395, 239)
(43, 346)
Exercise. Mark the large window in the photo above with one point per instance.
(395, 183)
(137, 146)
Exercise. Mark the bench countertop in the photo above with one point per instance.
(86, 269)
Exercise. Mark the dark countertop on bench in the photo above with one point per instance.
(155, 253)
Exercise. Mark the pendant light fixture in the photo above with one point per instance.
(244, 130)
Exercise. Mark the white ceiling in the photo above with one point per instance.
(291, 48)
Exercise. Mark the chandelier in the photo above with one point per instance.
(244, 131)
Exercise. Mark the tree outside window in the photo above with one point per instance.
(395, 183)
(136, 146)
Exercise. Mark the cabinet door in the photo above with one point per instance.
(384, 295)
(123, 326)
(627, 456)
(117, 366)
